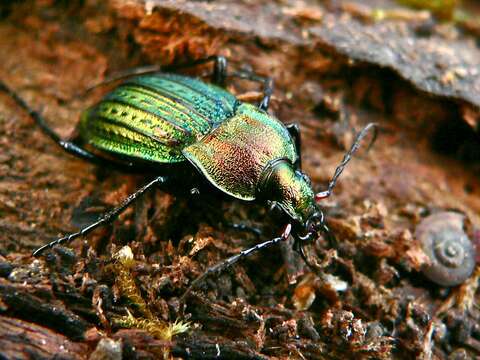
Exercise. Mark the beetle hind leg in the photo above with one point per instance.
(267, 82)
(71, 146)
(218, 76)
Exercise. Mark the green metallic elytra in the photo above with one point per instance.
(167, 118)
(154, 117)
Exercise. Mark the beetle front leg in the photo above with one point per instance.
(298, 247)
(105, 219)
(225, 264)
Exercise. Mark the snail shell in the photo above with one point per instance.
(444, 241)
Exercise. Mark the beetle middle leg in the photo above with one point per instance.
(105, 219)
(244, 227)
(219, 75)
(294, 130)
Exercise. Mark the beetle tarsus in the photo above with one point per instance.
(316, 223)
(219, 75)
(31, 112)
(330, 237)
(267, 94)
(105, 219)
(299, 248)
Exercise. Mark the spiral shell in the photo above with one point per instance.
(444, 241)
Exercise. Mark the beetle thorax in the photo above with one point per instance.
(289, 188)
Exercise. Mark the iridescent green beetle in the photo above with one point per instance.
(159, 118)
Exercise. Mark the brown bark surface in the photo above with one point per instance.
(337, 65)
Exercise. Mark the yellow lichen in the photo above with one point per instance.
(126, 283)
(157, 328)
(124, 263)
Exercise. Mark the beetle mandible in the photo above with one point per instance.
(159, 118)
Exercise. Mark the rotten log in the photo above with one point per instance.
(337, 65)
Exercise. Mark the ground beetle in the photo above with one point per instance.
(160, 118)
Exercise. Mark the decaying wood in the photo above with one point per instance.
(337, 65)
(26, 340)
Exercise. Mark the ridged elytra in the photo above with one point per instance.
(158, 118)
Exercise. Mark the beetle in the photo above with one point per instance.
(160, 119)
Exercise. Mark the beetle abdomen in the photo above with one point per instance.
(154, 117)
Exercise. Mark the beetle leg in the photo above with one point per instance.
(105, 219)
(267, 93)
(225, 264)
(267, 85)
(294, 130)
(67, 145)
(329, 236)
(243, 227)
(219, 73)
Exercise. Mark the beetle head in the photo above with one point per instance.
(292, 191)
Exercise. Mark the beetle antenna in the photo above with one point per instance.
(347, 157)
(225, 264)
